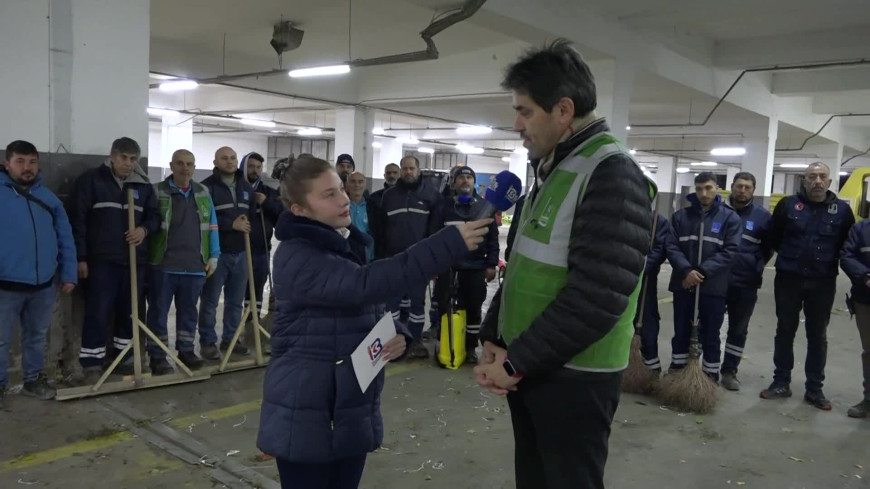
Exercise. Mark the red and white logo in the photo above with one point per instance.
(375, 350)
(799, 206)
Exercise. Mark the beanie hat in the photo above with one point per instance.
(346, 157)
(465, 170)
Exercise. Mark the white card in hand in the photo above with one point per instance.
(368, 358)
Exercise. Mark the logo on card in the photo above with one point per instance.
(375, 350)
(135, 194)
(750, 225)
(717, 226)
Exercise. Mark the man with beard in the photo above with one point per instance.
(807, 231)
(747, 268)
(234, 205)
(36, 247)
(402, 221)
(344, 166)
(479, 265)
(391, 176)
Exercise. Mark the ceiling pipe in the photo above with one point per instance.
(808, 66)
(430, 53)
(801, 147)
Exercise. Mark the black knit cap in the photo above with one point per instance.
(346, 157)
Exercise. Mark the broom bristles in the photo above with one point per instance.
(637, 379)
(689, 389)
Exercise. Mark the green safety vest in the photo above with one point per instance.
(539, 258)
(157, 247)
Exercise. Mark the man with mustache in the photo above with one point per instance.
(807, 231)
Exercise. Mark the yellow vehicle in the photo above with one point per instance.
(856, 191)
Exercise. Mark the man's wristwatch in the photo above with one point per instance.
(509, 368)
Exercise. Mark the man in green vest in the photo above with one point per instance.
(557, 335)
(182, 254)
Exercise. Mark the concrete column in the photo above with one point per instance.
(759, 161)
(615, 85)
(353, 135)
(835, 164)
(519, 165)
(778, 183)
(731, 171)
(176, 133)
(390, 152)
(60, 86)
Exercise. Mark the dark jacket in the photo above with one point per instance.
(808, 236)
(373, 208)
(263, 225)
(611, 232)
(402, 219)
(748, 265)
(659, 250)
(228, 209)
(99, 215)
(515, 224)
(855, 260)
(327, 299)
(721, 241)
(449, 212)
(37, 242)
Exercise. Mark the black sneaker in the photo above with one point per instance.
(239, 349)
(860, 410)
(39, 388)
(2, 396)
(730, 382)
(418, 350)
(471, 357)
(817, 399)
(189, 359)
(210, 352)
(90, 375)
(159, 366)
(776, 391)
(125, 367)
(429, 334)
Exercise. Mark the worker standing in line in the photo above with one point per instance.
(855, 260)
(650, 322)
(746, 273)
(100, 225)
(807, 231)
(710, 271)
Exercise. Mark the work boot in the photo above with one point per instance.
(860, 410)
(471, 357)
(90, 375)
(125, 367)
(159, 366)
(418, 350)
(210, 352)
(39, 388)
(776, 391)
(2, 396)
(730, 382)
(429, 334)
(189, 359)
(817, 399)
(239, 349)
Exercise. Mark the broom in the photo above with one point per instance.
(637, 378)
(690, 389)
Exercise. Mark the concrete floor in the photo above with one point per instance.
(442, 431)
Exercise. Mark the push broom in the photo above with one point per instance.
(690, 389)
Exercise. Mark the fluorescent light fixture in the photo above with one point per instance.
(378, 131)
(309, 131)
(469, 150)
(161, 112)
(794, 165)
(178, 85)
(506, 159)
(376, 144)
(473, 130)
(409, 140)
(728, 151)
(320, 71)
(628, 128)
(704, 163)
(632, 151)
(521, 150)
(426, 149)
(844, 173)
(682, 170)
(258, 123)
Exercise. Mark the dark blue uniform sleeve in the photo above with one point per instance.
(272, 206)
(150, 211)
(491, 245)
(675, 255)
(721, 260)
(658, 252)
(850, 256)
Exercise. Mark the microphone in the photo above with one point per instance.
(501, 195)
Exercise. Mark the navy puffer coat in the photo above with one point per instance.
(326, 296)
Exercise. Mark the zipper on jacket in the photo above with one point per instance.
(35, 239)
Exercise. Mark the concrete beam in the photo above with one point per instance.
(834, 80)
(805, 47)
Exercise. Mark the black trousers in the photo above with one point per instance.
(862, 314)
(471, 294)
(816, 298)
(741, 303)
(341, 474)
(561, 429)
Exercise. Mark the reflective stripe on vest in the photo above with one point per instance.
(539, 258)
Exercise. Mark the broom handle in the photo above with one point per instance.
(696, 323)
(134, 292)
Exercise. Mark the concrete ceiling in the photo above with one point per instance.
(687, 54)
